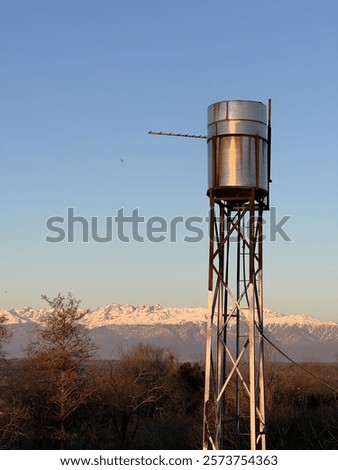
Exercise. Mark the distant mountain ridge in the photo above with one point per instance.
(118, 326)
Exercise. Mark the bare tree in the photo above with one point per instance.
(58, 382)
(5, 334)
(12, 418)
(138, 386)
(10, 414)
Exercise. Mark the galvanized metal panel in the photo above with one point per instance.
(236, 162)
(230, 127)
(239, 157)
(247, 110)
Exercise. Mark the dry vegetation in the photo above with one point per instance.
(60, 397)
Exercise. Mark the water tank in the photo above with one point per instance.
(238, 150)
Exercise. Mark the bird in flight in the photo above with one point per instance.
(121, 160)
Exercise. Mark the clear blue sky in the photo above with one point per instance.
(83, 81)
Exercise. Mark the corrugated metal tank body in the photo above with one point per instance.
(237, 148)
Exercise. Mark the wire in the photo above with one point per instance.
(296, 363)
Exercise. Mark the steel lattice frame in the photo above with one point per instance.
(234, 410)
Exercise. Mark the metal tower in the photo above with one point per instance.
(239, 144)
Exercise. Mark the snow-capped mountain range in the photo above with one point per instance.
(116, 327)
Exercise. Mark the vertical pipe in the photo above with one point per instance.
(269, 151)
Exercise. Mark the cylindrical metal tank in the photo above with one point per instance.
(238, 149)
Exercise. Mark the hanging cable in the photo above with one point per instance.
(296, 363)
